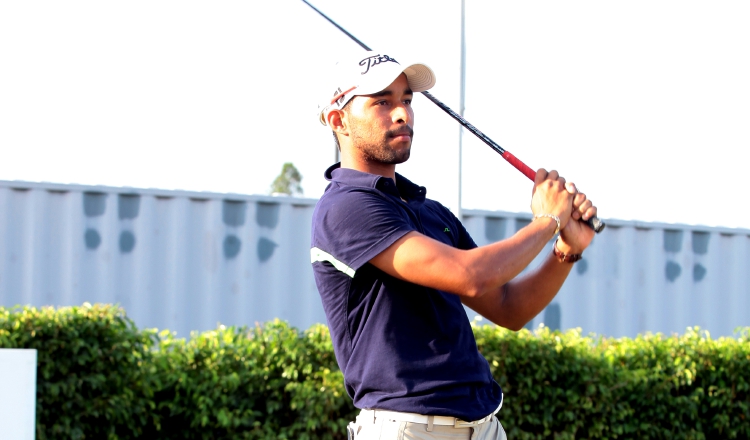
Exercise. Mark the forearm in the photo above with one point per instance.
(518, 301)
(469, 273)
(526, 296)
(495, 265)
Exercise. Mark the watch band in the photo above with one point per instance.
(563, 257)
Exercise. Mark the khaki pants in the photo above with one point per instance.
(364, 428)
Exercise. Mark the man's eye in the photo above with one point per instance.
(381, 102)
(407, 101)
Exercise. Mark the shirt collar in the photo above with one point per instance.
(404, 188)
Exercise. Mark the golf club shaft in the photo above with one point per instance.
(594, 222)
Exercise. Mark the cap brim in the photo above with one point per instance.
(420, 77)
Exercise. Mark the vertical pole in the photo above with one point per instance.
(461, 108)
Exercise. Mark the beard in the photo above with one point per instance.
(378, 150)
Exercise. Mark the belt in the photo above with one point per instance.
(425, 420)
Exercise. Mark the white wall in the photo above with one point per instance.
(17, 394)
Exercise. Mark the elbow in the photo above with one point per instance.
(467, 283)
(472, 290)
(511, 324)
(514, 326)
(478, 283)
(476, 288)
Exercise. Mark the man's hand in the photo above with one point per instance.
(551, 196)
(576, 235)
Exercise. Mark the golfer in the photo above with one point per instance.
(394, 267)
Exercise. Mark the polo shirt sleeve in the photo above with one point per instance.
(354, 227)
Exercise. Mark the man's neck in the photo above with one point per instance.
(380, 169)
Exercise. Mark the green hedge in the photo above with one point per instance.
(92, 370)
(563, 385)
(100, 377)
(269, 382)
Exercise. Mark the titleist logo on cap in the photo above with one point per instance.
(374, 61)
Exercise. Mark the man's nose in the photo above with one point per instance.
(401, 114)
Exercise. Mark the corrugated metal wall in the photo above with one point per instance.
(176, 260)
(187, 261)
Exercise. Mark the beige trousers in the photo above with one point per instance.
(365, 429)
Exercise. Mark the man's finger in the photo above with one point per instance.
(580, 205)
(584, 206)
(590, 213)
(578, 200)
(541, 174)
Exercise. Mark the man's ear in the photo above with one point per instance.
(337, 121)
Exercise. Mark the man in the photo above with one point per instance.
(393, 267)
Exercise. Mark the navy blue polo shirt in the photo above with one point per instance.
(401, 346)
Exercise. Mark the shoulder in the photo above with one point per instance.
(353, 225)
(350, 202)
(356, 212)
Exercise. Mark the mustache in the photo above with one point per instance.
(401, 131)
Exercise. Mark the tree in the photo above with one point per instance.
(288, 182)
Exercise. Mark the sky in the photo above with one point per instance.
(644, 104)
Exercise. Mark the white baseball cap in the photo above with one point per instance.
(368, 73)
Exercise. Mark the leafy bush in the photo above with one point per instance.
(269, 382)
(91, 381)
(688, 384)
(100, 377)
(562, 385)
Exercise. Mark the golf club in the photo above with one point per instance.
(594, 222)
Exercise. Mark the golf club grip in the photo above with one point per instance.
(520, 166)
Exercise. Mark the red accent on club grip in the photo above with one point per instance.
(520, 166)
